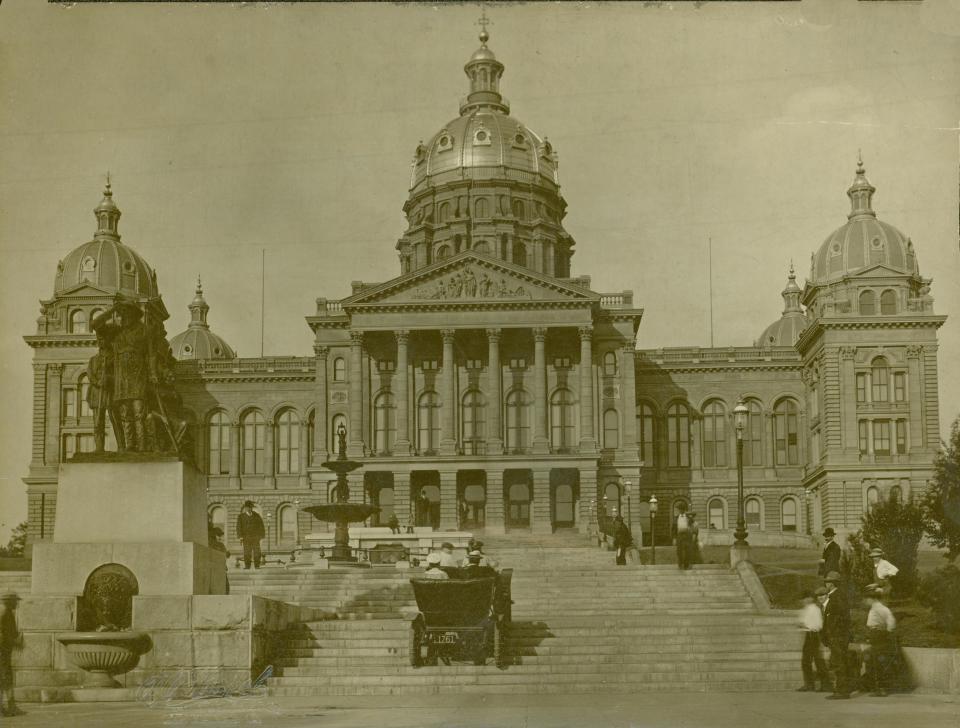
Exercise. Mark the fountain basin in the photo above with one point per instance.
(342, 512)
(105, 654)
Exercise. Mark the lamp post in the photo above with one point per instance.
(740, 413)
(626, 487)
(653, 533)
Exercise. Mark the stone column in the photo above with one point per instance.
(355, 433)
(540, 508)
(401, 498)
(915, 396)
(234, 480)
(54, 410)
(848, 400)
(269, 454)
(695, 449)
(588, 441)
(448, 499)
(39, 414)
(587, 499)
(448, 421)
(628, 403)
(541, 445)
(495, 402)
(303, 479)
(495, 522)
(320, 414)
(402, 445)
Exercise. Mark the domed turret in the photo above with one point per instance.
(198, 341)
(863, 241)
(104, 262)
(787, 329)
(486, 182)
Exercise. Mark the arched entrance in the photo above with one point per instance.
(564, 486)
(471, 499)
(425, 487)
(517, 491)
(379, 488)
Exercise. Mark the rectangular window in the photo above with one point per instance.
(901, 437)
(881, 437)
(881, 384)
(561, 362)
(864, 436)
(69, 446)
(518, 363)
(474, 364)
(900, 387)
(861, 388)
(385, 365)
(69, 403)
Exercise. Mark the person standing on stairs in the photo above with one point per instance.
(622, 540)
(250, 531)
(836, 635)
(683, 538)
(696, 557)
(811, 623)
(831, 554)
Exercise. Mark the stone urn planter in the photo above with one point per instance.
(105, 654)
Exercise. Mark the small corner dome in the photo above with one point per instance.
(863, 241)
(198, 341)
(785, 331)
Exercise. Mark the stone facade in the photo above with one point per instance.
(486, 387)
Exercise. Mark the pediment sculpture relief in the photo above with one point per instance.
(466, 284)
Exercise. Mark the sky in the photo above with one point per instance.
(233, 129)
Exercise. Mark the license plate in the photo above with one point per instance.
(447, 638)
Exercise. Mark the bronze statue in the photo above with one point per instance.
(132, 381)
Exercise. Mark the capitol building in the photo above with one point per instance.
(493, 386)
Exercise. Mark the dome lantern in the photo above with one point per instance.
(791, 294)
(199, 308)
(108, 215)
(484, 71)
(861, 193)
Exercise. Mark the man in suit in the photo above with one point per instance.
(836, 635)
(250, 531)
(831, 554)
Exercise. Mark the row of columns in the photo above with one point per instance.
(448, 433)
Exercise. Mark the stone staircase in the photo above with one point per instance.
(580, 624)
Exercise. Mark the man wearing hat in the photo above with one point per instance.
(880, 626)
(883, 571)
(250, 531)
(475, 568)
(433, 570)
(831, 554)
(10, 639)
(447, 558)
(836, 635)
(811, 623)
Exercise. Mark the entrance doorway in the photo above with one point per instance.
(517, 492)
(425, 487)
(565, 485)
(471, 499)
(379, 487)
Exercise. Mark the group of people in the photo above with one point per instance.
(825, 621)
(11, 640)
(688, 538)
(474, 565)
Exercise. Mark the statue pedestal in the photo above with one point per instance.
(149, 516)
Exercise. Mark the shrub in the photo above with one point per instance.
(941, 500)
(855, 564)
(17, 543)
(896, 527)
(940, 590)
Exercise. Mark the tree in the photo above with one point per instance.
(896, 527)
(17, 543)
(941, 500)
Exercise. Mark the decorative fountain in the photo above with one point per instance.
(342, 512)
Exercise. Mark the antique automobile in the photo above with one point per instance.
(463, 619)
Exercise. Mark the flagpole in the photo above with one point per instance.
(710, 264)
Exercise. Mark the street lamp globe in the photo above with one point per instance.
(653, 504)
(740, 413)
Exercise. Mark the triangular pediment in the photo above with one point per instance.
(84, 288)
(878, 270)
(470, 277)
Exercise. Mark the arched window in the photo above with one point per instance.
(218, 442)
(518, 421)
(646, 432)
(518, 209)
(78, 322)
(561, 419)
(334, 427)
(868, 303)
(384, 423)
(443, 213)
(880, 374)
(611, 498)
(751, 512)
(678, 436)
(610, 364)
(611, 429)
(481, 208)
(339, 369)
(443, 252)
(714, 435)
(287, 521)
(473, 419)
(753, 435)
(83, 390)
(716, 515)
(253, 436)
(218, 518)
(873, 497)
(519, 253)
(788, 515)
(785, 433)
(288, 443)
(428, 422)
(888, 303)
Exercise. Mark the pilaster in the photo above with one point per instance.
(54, 408)
(39, 414)
(847, 397)
(588, 440)
(401, 497)
(234, 480)
(355, 447)
(320, 412)
(540, 509)
(541, 445)
(915, 395)
(269, 454)
(448, 499)
(402, 445)
(495, 407)
(448, 433)
(495, 517)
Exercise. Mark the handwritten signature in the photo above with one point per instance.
(177, 689)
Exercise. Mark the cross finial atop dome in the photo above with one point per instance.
(108, 214)
(483, 22)
(861, 192)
